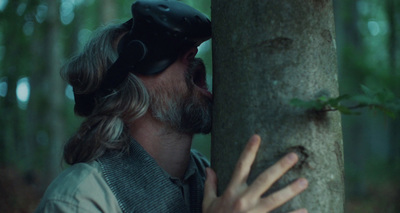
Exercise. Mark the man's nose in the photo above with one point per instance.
(190, 54)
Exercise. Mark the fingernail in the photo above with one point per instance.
(303, 183)
(292, 157)
(255, 139)
(303, 211)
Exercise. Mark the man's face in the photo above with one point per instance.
(179, 95)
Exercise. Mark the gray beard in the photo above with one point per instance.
(188, 113)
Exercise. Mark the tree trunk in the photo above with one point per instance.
(395, 75)
(54, 121)
(13, 118)
(108, 11)
(266, 53)
(355, 129)
(393, 44)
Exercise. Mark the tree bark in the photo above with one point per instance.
(265, 53)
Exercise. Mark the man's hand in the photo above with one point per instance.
(239, 197)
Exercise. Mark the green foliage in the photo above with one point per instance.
(382, 99)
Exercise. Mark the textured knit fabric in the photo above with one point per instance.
(132, 182)
(140, 185)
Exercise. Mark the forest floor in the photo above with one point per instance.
(19, 193)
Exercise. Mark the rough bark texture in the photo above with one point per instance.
(266, 52)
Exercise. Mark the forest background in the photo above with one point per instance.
(36, 106)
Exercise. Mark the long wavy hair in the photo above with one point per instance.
(106, 127)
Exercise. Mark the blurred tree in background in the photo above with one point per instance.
(368, 34)
(36, 106)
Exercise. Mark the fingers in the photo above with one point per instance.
(243, 198)
(245, 161)
(280, 197)
(271, 175)
(210, 188)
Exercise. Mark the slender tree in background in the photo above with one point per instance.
(55, 85)
(11, 119)
(108, 11)
(266, 53)
(349, 33)
(393, 46)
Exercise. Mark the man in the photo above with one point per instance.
(143, 94)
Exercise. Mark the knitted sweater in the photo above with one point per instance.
(129, 182)
(140, 185)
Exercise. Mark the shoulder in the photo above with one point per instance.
(80, 188)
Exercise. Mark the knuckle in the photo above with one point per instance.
(275, 198)
(229, 193)
(262, 180)
(240, 165)
(240, 205)
(283, 163)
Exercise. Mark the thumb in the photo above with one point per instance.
(210, 188)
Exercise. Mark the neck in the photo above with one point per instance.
(169, 148)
